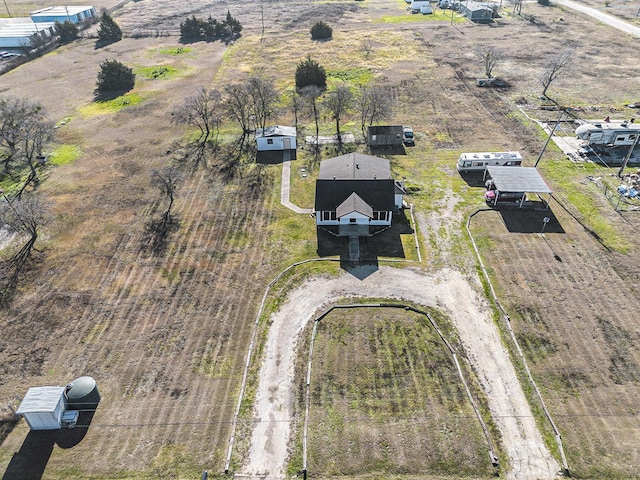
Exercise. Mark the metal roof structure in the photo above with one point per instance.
(517, 179)
(276, 131)
(41, 400)
(62, 10)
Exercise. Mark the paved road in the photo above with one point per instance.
(603, 17)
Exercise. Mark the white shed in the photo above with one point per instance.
(42, 408)
(276, 137)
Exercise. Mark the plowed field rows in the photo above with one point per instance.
(575, 317)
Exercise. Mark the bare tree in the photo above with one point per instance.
(23, 131)
(25, 217)
(166, 181)
(203, 111)
(554, 67)
(490, 57)
(338, 101)
(36, 135)
(311, 93)
(263, 97)
(296, 105)
(237, 104)
(374, 104)
(367, 46)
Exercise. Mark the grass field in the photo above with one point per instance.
(166, 337)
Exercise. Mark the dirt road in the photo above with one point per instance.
(446, 289)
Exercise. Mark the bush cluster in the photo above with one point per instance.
(109, 31)
(194, 29)
(114, 77)
(321, 31)
(310, 72)
(67, 31)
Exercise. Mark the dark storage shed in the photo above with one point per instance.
(384, 135)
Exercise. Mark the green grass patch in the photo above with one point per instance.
(356, 76)
(386, 397)
(418, 18)
(175, 51)
(591, 207)
(64, 154)
(112, 106)
(157, 71)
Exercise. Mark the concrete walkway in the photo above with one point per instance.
(286, 187)
(603, 17)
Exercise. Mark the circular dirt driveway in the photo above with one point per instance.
(447, 290)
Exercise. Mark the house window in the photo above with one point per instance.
(352, 220)
(380, 216)
(269, 141)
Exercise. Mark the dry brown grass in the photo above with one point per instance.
(166, 337)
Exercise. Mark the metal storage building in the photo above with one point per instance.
(20, 33)
(61, 14)
(42, 408)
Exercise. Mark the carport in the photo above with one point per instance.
(517, 179)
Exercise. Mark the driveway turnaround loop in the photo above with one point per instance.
(447, 290)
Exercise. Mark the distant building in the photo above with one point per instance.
(21, 33)
(476, 12)
(276, 137)
(76, 14)
(356, 195)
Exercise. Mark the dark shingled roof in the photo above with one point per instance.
(366, 176)
(355, 166)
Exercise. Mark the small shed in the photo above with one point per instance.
(276, 137)
(476, 11)
(73, 14)
(384, 135)
(43, 407)
(523, 179)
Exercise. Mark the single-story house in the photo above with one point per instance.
(384, 135)
(276, 137)
(476, 11)
(75, 14)
(356, 194)
(43, 407)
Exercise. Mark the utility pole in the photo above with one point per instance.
(628, 156)
(5, 6)
(549, 138)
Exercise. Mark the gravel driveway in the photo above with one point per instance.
(446, 289)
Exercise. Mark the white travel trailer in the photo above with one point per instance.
(477, 162)
(603, 135)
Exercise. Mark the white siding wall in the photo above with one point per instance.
(274, 143)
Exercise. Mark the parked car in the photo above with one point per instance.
(407, 136)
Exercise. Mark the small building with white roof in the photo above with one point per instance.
(43, 407)
(276, 137)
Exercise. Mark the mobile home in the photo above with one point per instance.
(477, 162)
(604, 135)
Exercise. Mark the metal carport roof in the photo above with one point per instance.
(517, 179)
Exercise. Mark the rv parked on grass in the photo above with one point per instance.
(477, 162)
